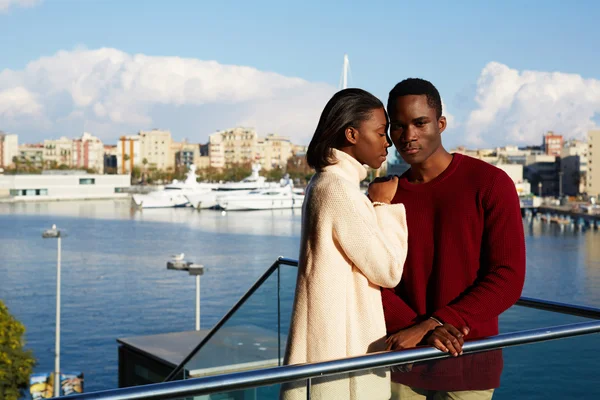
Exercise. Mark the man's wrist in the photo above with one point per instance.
(429, 324)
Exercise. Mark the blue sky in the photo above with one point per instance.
(543, 73)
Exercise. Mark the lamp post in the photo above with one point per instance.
(560, 187)
(197, 270)
(540, 189)
(55, 233)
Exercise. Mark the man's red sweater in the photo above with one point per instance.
(466, 251)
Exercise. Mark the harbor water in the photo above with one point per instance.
(115, 284)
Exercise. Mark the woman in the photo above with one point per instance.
(351, 246)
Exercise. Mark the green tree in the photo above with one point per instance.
(274, 174)
(16, 364)
(299, 169)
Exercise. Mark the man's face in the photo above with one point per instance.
(415, 129)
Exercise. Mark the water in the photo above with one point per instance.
(115, 282)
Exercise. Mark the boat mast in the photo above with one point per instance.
(345, 72)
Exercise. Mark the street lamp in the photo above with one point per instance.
(560, 187)
(55, 233)
(540, 189)
(197, 270)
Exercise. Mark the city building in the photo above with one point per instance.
(58, 152)
(63, 185)
(110, 159)
(128, 153)
(185, 154)
(155, 148)
(541, 171)
(553, 144)
(574, 167)
(203, 160)
(593, 172)
(88, 153)
(398, 166)
(233, 146)
(9, 149)
(32, 154)
(515, 172)
(273, 151)
(299, 150)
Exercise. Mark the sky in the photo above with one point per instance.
(508, 71)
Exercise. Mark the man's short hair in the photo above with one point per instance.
(416, 86)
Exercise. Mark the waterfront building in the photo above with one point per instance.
(63, 185)
(553, 144)
(88, 153)
(574, 167)
(273, 151)
(593, 172)
(32, 154)
(9, 149)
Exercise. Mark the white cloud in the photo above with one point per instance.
(18, 102)
(520, 106)
(123, 93)
(450, 119)
(6, 4)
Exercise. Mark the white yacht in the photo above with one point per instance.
(209, 199)
(174, 194)
(273, 198)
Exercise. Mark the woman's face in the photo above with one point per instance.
(371, 140)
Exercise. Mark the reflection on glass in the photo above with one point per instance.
(559, 369)
(370, 384)
(287, 292)
(248, 340)
(255, 335)
(258, 393)
(473, 376)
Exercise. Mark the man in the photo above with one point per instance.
(466, 252)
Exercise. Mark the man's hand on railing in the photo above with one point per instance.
(410, 337)
(447, 338)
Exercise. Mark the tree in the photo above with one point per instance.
(274, 174)
(299, 169)
(16, 364)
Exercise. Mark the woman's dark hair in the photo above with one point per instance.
(347, 108)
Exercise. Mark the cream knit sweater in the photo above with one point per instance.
(348, 250)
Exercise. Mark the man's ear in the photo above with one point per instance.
(351, 135)
(442, 124)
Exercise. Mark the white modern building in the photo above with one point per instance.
(63, 186)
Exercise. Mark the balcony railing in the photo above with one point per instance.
(275, 288)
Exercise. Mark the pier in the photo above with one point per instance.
(564, 216)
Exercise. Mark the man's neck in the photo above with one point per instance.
(430, 168)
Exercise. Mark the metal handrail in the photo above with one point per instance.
(562, 308)
(289, 373)
(546, 305)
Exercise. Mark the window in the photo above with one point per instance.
(87, 181)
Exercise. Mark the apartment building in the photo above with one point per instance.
(553, 144)
(58, 152)
(128, 153)
(593, 171)
(273, 151)
(155, 147)
(9, 149)
(88, 153)
(574, 167)
(233, 146)
(32, 154)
